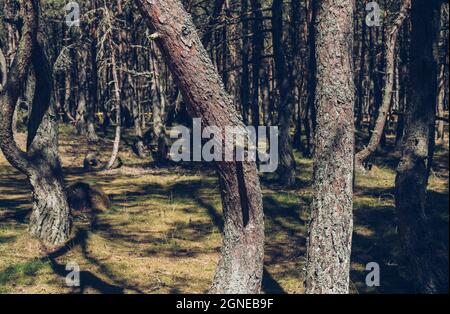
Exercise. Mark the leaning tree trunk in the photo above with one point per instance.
(241, 264)
(412, 174)
(50, 220)
(389, 72)
(331, 225)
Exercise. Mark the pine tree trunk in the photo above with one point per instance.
(93, 85)
(118, 105)
(257, 50)
(361, 76)
(331, 225)
(245, 72)
(412, 173)
(287, 166)
(310, 115)
(50, 220)
(241, 264)
(3, 70)
(80, 117)
(443, 47)
(139, 142)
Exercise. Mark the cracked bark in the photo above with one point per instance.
(50, 218)
(331, 225)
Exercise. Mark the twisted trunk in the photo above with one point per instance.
(50, 220)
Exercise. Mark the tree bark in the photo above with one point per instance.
(412, 173)
(241, 264)
(245, 72)
(80, 117)
(390, 48)
(93, 83)
(50, 218)
(117, 100)
(361, 76)
(118, 108)
(158, 106)
(443, 50)
(310, 115)
(331, 225)
(3, 70)
(257, 50)
(286, 169)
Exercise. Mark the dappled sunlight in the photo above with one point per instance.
(163, 231)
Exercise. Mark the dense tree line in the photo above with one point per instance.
(337, 87)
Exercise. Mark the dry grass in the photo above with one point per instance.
(162, 234)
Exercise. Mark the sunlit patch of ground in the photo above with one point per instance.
(162, 234)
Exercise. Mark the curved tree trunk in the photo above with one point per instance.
(389, 71)
(240, 267)
(331, 225)
(50, 220)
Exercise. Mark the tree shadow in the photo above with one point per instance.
(376, 239)
(270, 285)
(87, 278)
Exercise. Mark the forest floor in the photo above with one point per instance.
(162, 234)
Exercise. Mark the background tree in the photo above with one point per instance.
(412, 171)
(389, 76)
